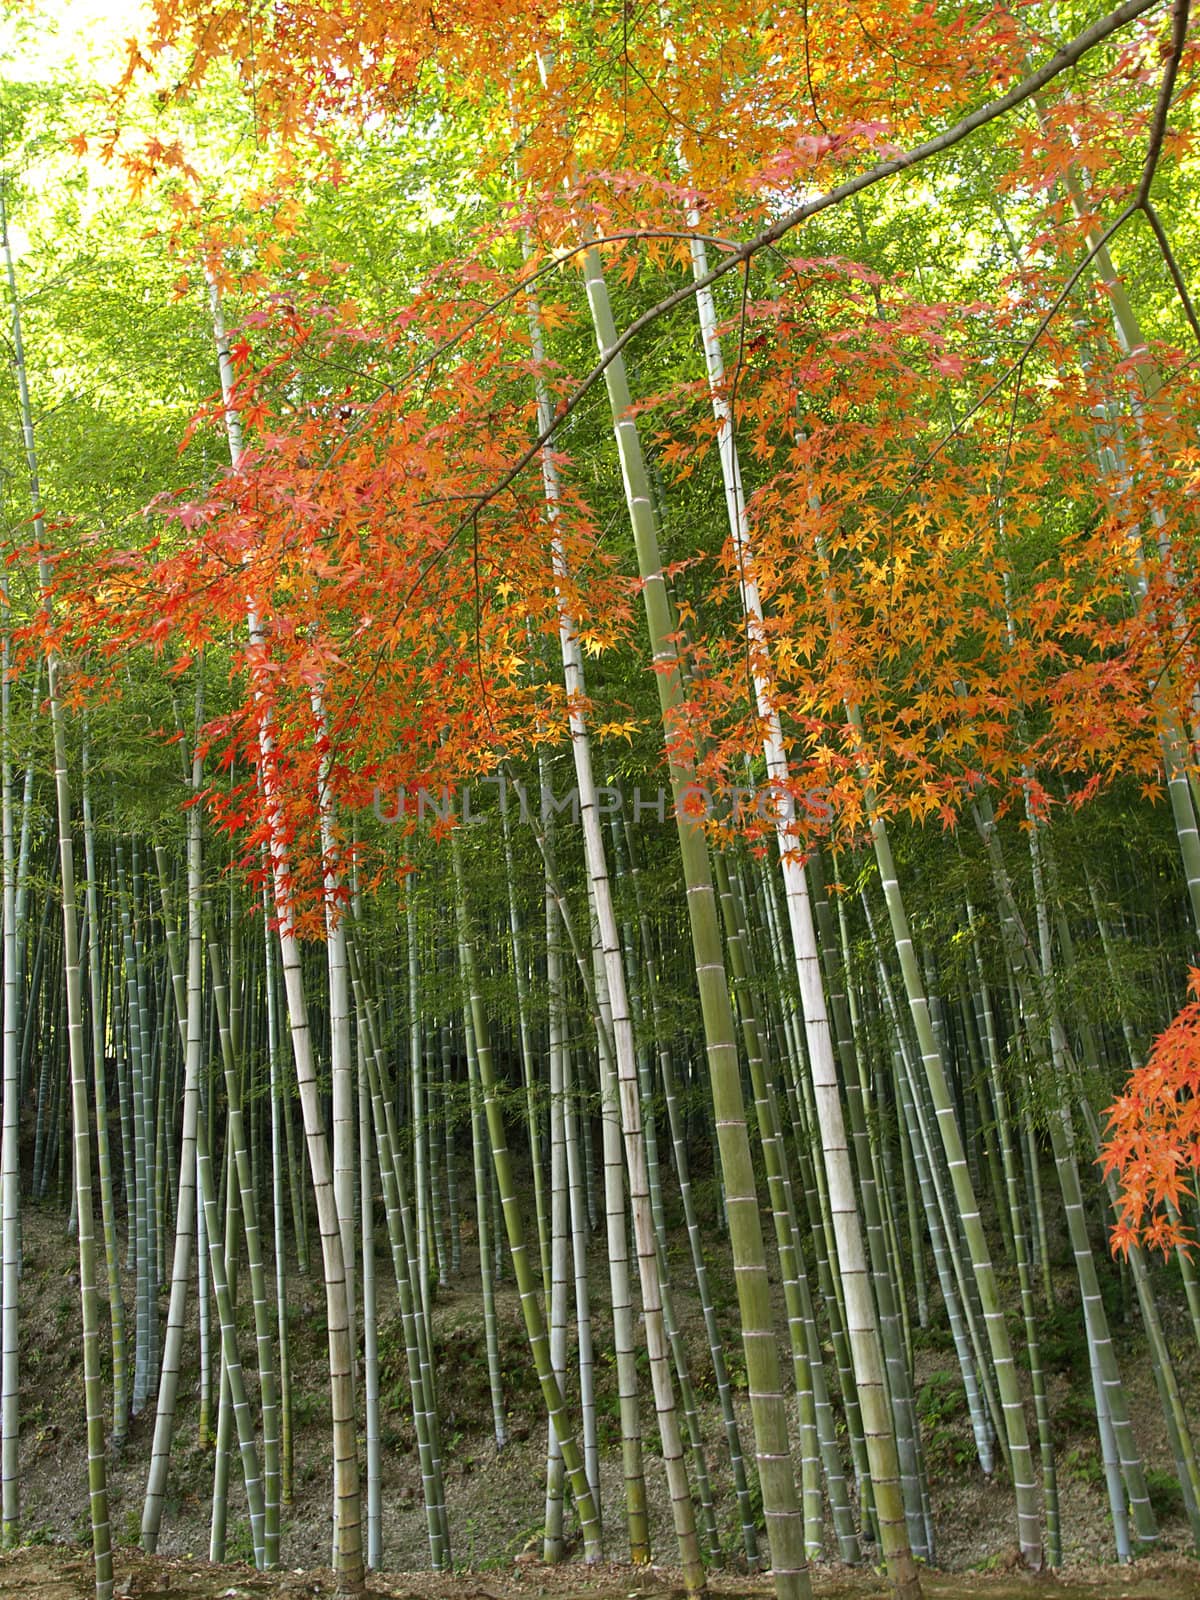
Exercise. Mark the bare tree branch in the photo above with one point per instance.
(1158, 124)
(1168, 256)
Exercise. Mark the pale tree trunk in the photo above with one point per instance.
(560, 1240)
(190, 1013)
(780, 1500)
(861, 1319)
(348, 1563)
(341, 1068)
(89, 1308)
(620, 1024)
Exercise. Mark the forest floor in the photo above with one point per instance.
(495, 1499)
(45, 1572)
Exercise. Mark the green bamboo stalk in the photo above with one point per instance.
(348, 1556)
(248, 1206)
(574, 1133)
(1029, 1532)
(419, 1110)
(861, 1316)
(151, 1075)
(526, 1282)
(374, 1449)
(237, 1404)
(938, 1218)
(341, 1066)
(93, 1393)
(1037, 1376)
(749, 1532)
(621, 1110)
(560, 1236)
(1033, 974)
(525, 1036)
(453, 1257)
(780, 1504)
(405, 1267)
(817, 1445)
(10, 1161)
(278, 1114)
(189, 1014)
(483, 1235)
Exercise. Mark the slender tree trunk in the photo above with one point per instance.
(89, 1309)
(190, 1012)
(510, 1203)
(347, 1502)
(780, 1501)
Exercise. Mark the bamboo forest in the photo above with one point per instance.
(600, 798)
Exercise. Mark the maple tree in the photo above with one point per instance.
(913, 530)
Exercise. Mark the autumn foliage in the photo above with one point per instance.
(1154, 1135)
(961, 590)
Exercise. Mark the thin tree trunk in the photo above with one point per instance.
(89, 1310)
(349, 1565)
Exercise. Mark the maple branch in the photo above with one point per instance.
(1158, 124)
(1026, 350)
(1158, 129)
(812, 93)
(1140, 202)
(1168, 256)
(1058, 63)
